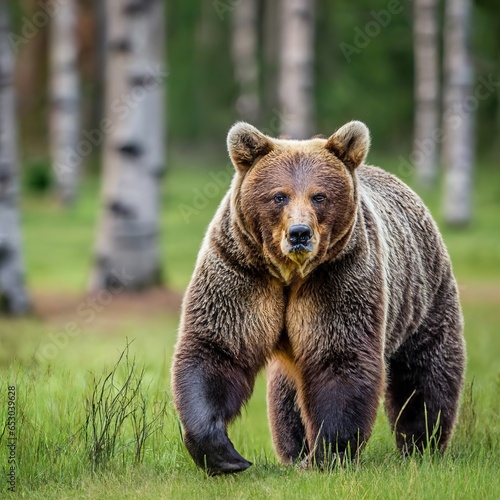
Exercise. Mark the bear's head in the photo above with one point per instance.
(296, 200)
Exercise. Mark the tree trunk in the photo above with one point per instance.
(13, 296)
(99, 66)
(297, 69)
(65, 102)
(127, 253)
(271, 56)
(458, 146)
(426, 90)
(245, 61)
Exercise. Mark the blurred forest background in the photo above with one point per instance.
(113, 122)
(122, 94)
(109, 96)
(375, 84)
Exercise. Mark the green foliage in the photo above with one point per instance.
(201, 86)
(364, 69)
(371, 81)
(37, 176)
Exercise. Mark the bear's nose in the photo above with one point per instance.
(299, 234)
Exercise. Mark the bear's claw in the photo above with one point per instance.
(228, 467)
(215, 453)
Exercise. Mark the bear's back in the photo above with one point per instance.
(416, 259)
(403, 212)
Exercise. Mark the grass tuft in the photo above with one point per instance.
(117, 416)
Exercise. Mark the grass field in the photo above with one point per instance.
(80, 435)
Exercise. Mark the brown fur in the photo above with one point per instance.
(366, 307)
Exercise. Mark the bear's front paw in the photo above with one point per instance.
(228, 465)
(215, 453)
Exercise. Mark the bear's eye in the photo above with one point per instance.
(280, 199)
(319, 198)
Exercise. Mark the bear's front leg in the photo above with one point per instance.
(336, 328)
(209, 390)
(229, 326)
(339, 400)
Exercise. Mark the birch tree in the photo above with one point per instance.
(296, 80)
(245, 61)
(426, 90)
(65, 101)
(13, 296)
(127, 250)
(458, 119)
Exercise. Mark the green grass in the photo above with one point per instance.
(53, 451)
(54, 461)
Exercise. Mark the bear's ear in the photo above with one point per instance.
(246, 144)
(350, 144)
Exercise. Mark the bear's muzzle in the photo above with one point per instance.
(297, 243)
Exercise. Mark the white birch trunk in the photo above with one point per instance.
(13, 296)
(65, 101)
(458, 119)
(296, 68)
(426, 90)
(244, 50)
(127, 252)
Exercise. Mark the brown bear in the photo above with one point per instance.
(333, 275)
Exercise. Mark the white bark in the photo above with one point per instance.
(244, 50)
(458, 120)
(134, 157)
(13, 296)
(65, 101)
(296, 68)
(426, 90)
